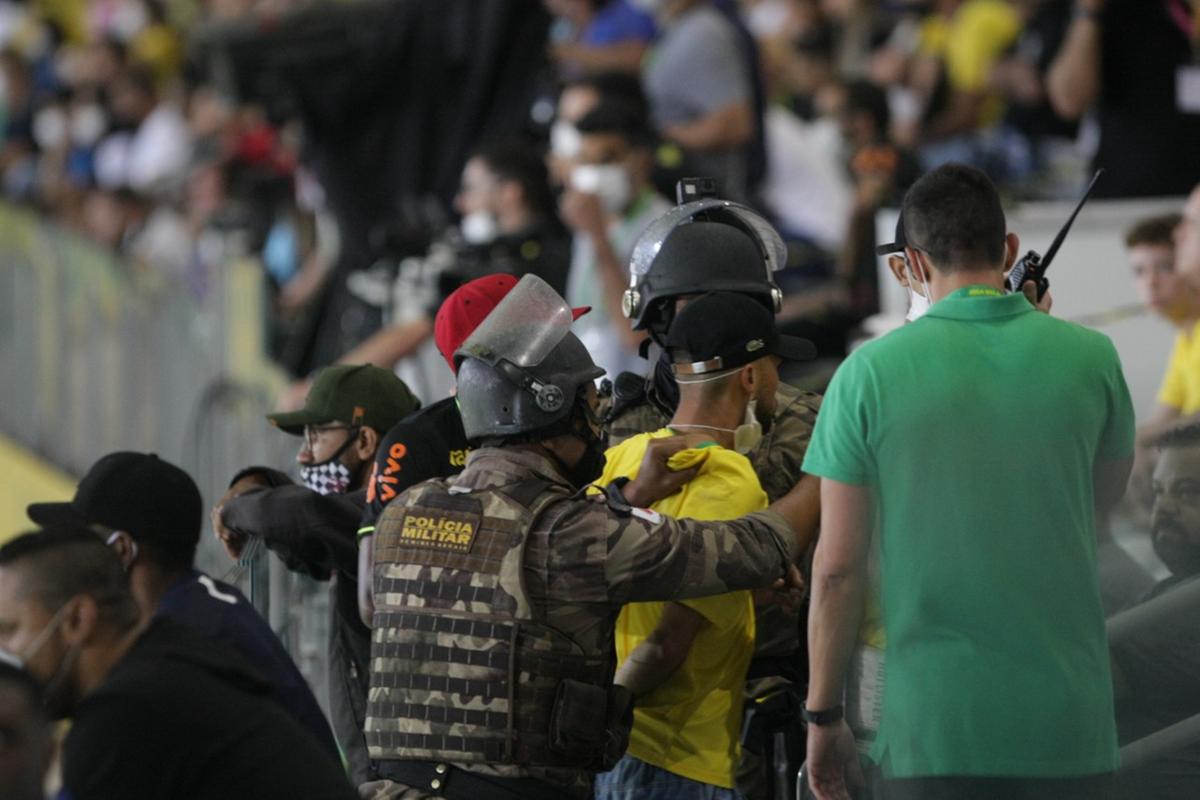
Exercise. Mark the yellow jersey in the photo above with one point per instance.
(1181, 385)
(690, 725)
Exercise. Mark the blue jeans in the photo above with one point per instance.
(633, 779)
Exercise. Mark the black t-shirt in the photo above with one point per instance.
(1037, 45)
(184, 718)
(1161, 666)
(543, 249)
(1147, 146)
(220, 613)
(428, 444)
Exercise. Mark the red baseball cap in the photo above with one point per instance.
(468, 306)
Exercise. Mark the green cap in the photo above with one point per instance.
(353, 395)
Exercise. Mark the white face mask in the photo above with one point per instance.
(50, 128)
(745, 436)
(609, 182)
(19, 660)
(52, 695)
(87, 125)
(564, 139)
(918, 303)
(479, 227)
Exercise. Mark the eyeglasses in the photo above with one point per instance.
(314, 432)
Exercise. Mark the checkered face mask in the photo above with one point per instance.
(330, 476)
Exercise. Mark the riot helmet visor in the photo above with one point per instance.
(523, 329)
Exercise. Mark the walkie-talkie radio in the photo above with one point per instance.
(1032, 266)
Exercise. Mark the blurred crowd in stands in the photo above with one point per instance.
(108, 130)
(816, 112)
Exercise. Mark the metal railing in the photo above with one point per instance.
(1172, 611)
(99, 354)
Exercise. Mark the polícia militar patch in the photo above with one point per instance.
(437, 529)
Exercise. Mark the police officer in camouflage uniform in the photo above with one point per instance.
(703, 246)
(707, 245)
(496, 591)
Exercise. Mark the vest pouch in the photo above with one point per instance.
(618, 724)
(575, 731)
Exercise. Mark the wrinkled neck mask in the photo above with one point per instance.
(745, 436)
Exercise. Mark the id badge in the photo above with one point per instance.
(1187, 89)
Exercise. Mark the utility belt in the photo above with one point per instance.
(447, 780)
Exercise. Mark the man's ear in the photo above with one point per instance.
(899, 271)
(81, 620)
(123, 545)
(918, 265)
(366, 443)
(748, 378)
(1012, 246)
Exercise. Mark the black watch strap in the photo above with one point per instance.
(616, 499)
(825, 717)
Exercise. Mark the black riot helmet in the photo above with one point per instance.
(707, 245)
(522, 374)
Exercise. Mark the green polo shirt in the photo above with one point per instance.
(977, 428)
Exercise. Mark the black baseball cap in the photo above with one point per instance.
(138, 493)
(899, 244)
(724, 330)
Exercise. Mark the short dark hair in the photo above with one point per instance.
(614, 86)
(816, 43)
(1179, 436)
(867, 98)
(619, 117)
(62, 561)
(1158, 230)
(953, 213)
(524, 164)
(27, 685)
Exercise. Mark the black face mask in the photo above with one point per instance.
(664, 381)
(590, 465)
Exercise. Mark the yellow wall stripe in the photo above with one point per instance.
(27, 479)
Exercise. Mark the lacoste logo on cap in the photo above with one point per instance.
(755, 344)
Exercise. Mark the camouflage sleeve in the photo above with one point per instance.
(778, 458)
(648, 556)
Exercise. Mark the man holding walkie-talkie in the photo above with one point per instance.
(984, 434)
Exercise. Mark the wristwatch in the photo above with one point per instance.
(819, 718)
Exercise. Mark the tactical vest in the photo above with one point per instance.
(463, 668)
